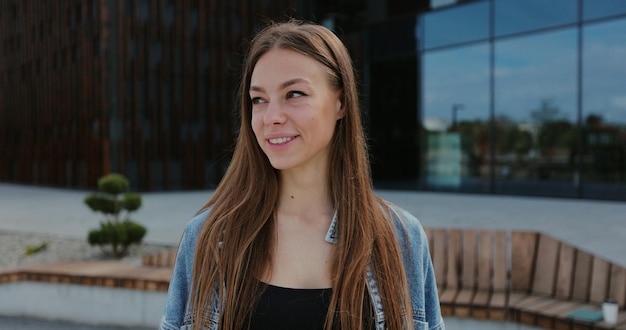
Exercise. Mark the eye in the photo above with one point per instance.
(294, 94)
(257, 100)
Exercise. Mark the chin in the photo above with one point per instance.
(281, 165)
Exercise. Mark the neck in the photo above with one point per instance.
(304, 196)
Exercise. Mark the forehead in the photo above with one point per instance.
(280, 65)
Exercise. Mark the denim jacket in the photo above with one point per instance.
(415, 254)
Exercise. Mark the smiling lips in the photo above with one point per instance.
(281, 140)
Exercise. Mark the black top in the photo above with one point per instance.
(285, 308)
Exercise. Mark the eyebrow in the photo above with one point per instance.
(282, 86)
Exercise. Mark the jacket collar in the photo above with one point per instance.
(331, 234)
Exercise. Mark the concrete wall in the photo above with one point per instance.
(83, 304)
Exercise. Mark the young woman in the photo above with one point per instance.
(294, 236)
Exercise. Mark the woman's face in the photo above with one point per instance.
(294, 109)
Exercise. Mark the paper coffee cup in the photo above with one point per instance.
(609, 311)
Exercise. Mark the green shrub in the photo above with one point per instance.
(116, 203)
(113, 184)
(119, 235)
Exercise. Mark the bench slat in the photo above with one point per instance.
(545, 265)
(469, 258)
(523, 246)
(469, 268)
(582, 276)
(618, 285)
(498, 303)
(501, 266)
(485, 260)
(599, 280)
(529, 309)
(439, 257)
(448, 297)
(454, 259)
(565, 274)
(463, 302)
(547, 315)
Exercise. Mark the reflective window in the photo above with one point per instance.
(604, 110)
(441, 3)
(536, 114)
(515, 16)
(455, 119)
(456, 25)
(593, 9)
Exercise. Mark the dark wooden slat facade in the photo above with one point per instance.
(142, 87)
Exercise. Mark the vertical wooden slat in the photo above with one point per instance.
(439, 256)
(582, 276)
(617, 288)
(452, 272)
(565, 274)
(500, 267)
(600, 275)
(546, 265)
(469, 268)
(523, 246)
(469, 258)
(480, 302)
(454, 258)
(485, 260)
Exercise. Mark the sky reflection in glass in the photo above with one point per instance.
(515, 16)
(604, 71)
(456, 76)
(533, 69)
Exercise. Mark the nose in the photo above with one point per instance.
(274, 114)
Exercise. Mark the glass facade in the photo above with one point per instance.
(603, 126)
(515, 16)
(535, 114)
(455, 118)
(456, 25)
(524, 97)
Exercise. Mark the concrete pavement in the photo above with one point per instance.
(20, 323)
(596, 226)
(26, 323)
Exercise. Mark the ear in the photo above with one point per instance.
(340, 109)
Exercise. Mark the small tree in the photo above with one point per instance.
(116, 203)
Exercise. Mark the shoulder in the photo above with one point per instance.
(409, 232)
(198, 220)
(194, 226)
(404, 219)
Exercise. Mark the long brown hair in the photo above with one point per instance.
(234, 244)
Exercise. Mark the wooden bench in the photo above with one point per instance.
(550, 279)
(471, 271)
(521, 276)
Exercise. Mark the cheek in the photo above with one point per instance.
(257, 126)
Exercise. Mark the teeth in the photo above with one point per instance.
(280, 140)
